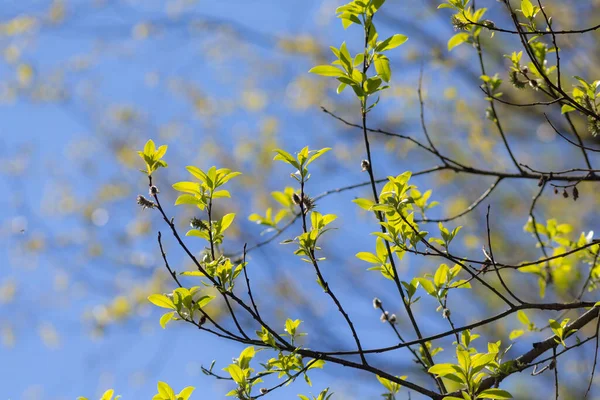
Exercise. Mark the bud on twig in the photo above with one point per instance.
(392, 319)
(296, 198)
(364, 165)
(153, 190)
(384, 317)
(376, 303)
(145, 203)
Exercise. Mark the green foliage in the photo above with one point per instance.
(165, 392)
(184, 302)
(240, 371)
(301, 162)
(400, 233)
(153, 157)
(202, 193)
(561, 330)
(392, 387)
(353, 71)
(108, 395)
(324, 395)
(447, 235)
(471, 368)
(285, 200)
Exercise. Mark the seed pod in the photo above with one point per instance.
(575, 193)
(565, 194)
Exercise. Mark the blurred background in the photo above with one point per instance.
(85, 83)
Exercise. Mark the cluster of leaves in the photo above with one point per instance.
(561, 270)
(185, 303)
(352, 71)
(307, 241)
(466, 19)
(472, 367)
(153, 157)
(284, 365)
(392, 387)
(395, 206)
(397, 203)
(165, 392)
(271, 220)
(201, 194)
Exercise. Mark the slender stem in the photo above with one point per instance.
(322, 281)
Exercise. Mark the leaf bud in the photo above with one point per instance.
(384, 317)
(296, 198)
(153, 190)
(392, 319)
(364, 165)
(376, 303)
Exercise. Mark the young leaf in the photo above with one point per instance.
(457, 39)
(326, 70)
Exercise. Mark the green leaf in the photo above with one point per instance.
(567, 108)
(286, 157)
(522, 317)
(527, 8)
(221, 194)
(316, 155)
(164, 320)
(185, 393)
(496, 394)
(204, 300)
(107, 395)
(391, 42)
(162, 301)
(364, 203)
(442, 369)
(149, 148)
(186, 199)
(237, 374)
(197, 173)
(246, 356)
(457, 39)
(368, 257)
(382, 66)
(187, 187)
(326, 70)
(165, 390)
(226, 221)
(516, 333)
